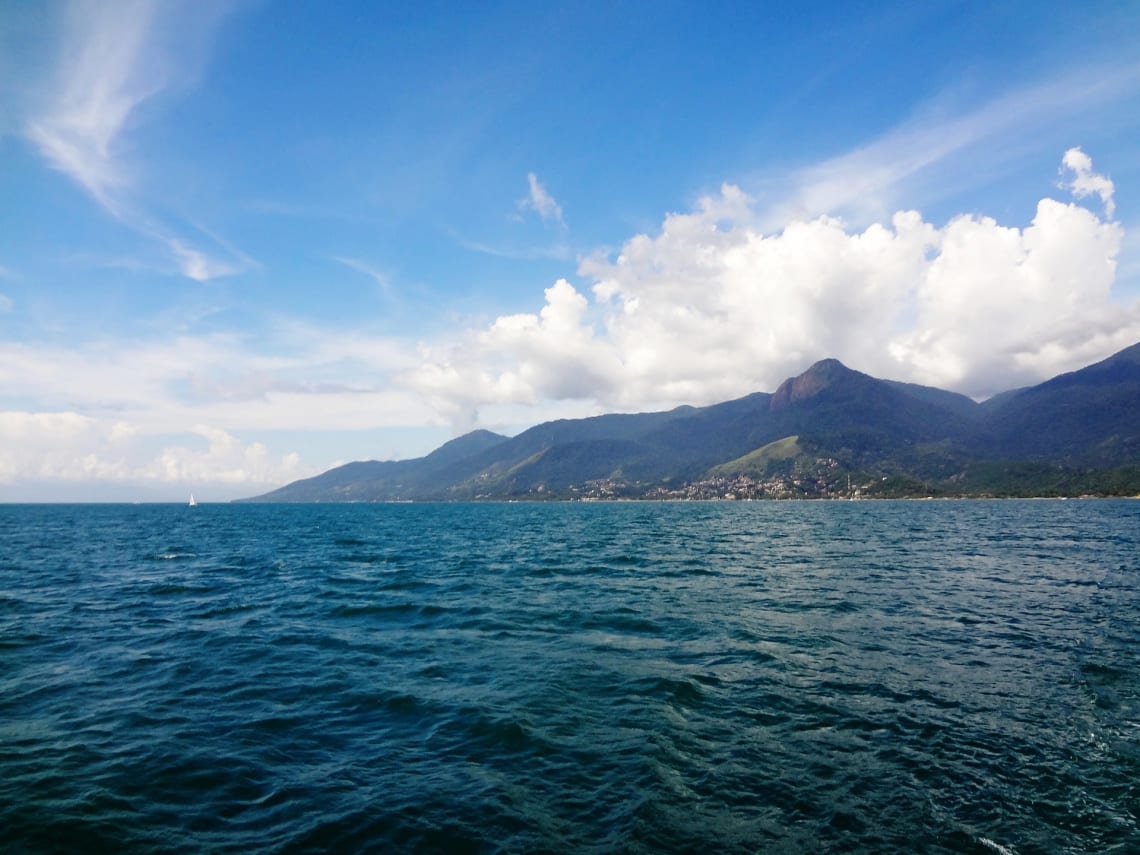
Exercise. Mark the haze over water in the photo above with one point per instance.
(640, 677)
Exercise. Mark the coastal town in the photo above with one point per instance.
(823, 480)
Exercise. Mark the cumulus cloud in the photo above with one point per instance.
(56, 445)
(541, 202)
(521, 358)
(215, 410)
(114, 58)
(225, 459)
(211, 411)
(71, 447)
(1085, 182)
(711, 307)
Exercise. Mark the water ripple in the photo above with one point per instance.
(936, 677)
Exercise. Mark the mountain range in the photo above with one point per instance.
(831, 432)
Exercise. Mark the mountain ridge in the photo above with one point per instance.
(830, 431)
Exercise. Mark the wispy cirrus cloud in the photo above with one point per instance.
(539, 200)
(246, 382)
(383, 280)
(114, 58)
(553, 252)
(941, 146)
(107, 72)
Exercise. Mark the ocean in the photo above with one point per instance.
(946, 676)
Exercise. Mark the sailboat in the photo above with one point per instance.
(193, 501)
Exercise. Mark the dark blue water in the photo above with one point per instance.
(778, 677)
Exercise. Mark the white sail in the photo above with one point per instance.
(193, 501)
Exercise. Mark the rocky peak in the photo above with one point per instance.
(820, 376)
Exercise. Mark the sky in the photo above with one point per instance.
(243, 242)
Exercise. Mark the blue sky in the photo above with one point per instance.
(243, 242)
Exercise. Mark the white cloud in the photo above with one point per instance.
(541, 202)
(383, 280)
(559, 251)
(1000, 306)
(712, 308)
(5, 303)
(225, 460)
(191, 409)
(300, 377)
(295, 387)
(520, 358)
(1085, 182)
(114, 58)
(944, 148)
(49, 445)
(107, 74)
(197, 265)
(70, 447)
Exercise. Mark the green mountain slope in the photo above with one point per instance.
(759, 462)
(370, 480)
(829, 431)
(1087, 417)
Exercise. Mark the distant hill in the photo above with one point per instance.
(829, 432)
(1087, 417)
(365, 481)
